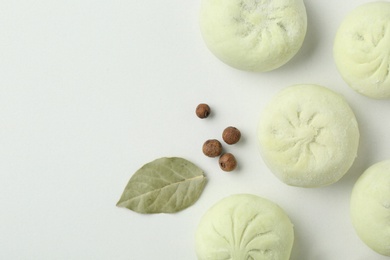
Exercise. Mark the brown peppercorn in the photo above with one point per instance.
(227, 162)
(231, 135)
(203, 110)
(212, 148)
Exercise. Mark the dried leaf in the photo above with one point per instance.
(165, 185)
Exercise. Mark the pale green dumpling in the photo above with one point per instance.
(244, 227)
(361, 49)
(254, 35)
(370, 207)
(308, 136)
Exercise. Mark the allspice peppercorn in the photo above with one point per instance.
(212, 148)
(231, 135)
(203, 110)
(227, 162)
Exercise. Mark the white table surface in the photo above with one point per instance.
(92, 90)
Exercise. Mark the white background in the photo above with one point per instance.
(92, 90)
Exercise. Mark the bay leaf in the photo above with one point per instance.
(165, 185)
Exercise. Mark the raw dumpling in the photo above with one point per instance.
(244, 227)
(362, 49)
(254, 35)
(308, 136)
(370, 207)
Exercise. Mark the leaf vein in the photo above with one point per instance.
(163, 187)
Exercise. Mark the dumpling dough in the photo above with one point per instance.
(308, 136)
(254, 35)
(362, 49)
(370, 207)
(244, 227)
